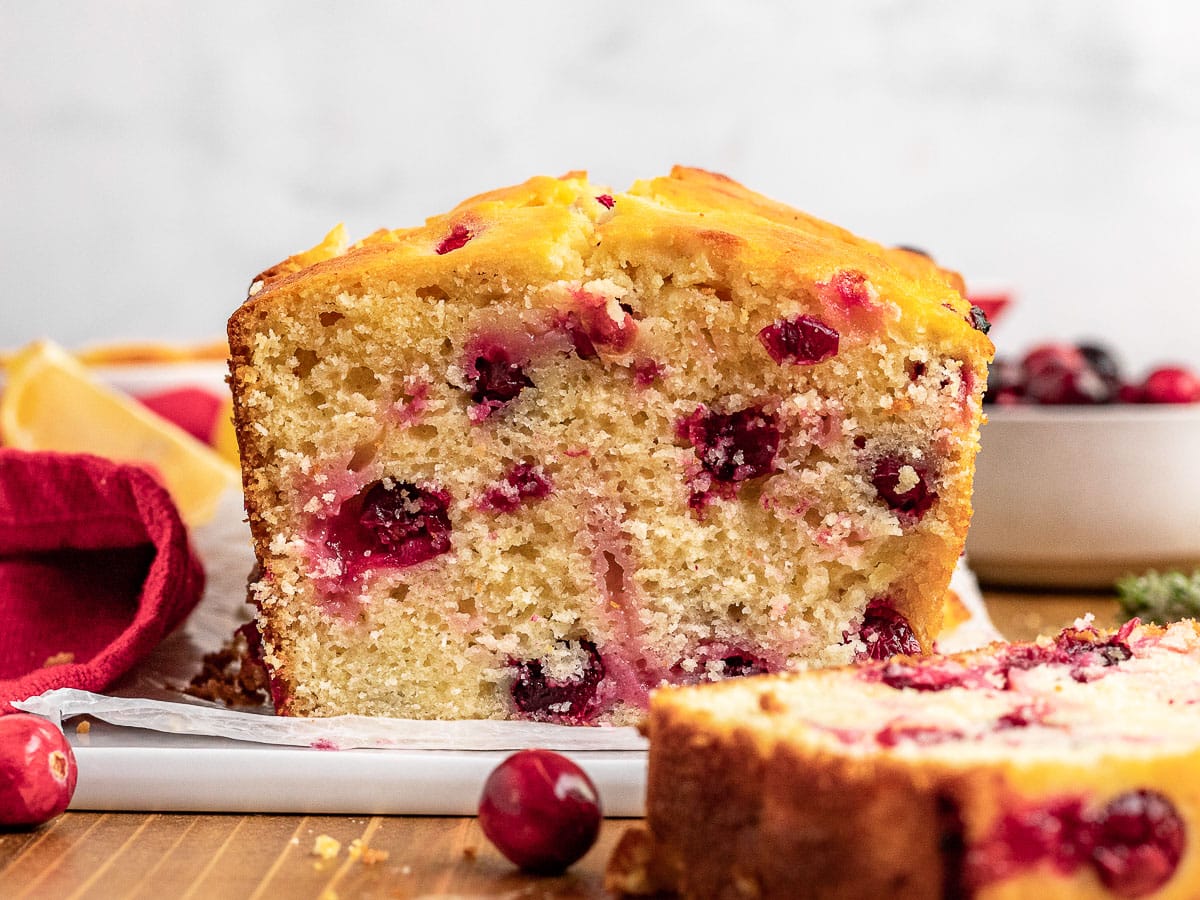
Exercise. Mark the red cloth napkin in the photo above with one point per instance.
(95, 570)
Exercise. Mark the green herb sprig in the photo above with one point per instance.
(1161, 599)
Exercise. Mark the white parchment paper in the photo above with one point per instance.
(149, 697)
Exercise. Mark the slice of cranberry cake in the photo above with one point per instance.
(1065, 767)
(563, 445)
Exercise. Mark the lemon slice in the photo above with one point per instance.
(51, 402)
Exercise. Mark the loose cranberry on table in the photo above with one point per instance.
(1062, 374)
(37, 770)
(540, 810)
(1170, 384)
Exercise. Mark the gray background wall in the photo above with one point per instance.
(153, 156)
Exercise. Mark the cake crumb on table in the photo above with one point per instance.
(326, 847)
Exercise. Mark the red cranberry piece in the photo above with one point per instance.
(851, 288)
(540, 810)
(1058, 374)
(524, 481)
(37, 770)
(924, 735)
(571, 700)
(1130, 393)
(886, 633)
(919, 678)
(1171, 384)
(391, 524)
(733, 447)
(495, 377)
(1137, 841)
(909, 505)
(457, 238)
(802, 341)
(606, 201)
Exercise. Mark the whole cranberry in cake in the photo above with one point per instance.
(572, 700)
(391, 524)
(886, 632)
(540, 810)
(1137, 841)
(733, 447)
(495, 377)
(801, 340)
(37, 770)
(599, 322)
(904, 486)
(1059, 374)
(1171, 384)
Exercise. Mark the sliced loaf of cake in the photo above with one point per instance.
(1063, 768)
(562, 445)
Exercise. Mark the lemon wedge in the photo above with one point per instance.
(51, 402)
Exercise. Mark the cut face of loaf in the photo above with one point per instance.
(1060, 768)
(562, 445)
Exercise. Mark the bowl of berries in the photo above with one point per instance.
(1085, 475)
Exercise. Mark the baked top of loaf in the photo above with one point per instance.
(1064, 767)
(532, 230)
(676, 433)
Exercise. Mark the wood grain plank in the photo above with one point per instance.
(196, 841)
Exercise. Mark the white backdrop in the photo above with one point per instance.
(153, 156)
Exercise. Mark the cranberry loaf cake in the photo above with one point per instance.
(1058, 768)
(563, 445)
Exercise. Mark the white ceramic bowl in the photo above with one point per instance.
(1078, 496)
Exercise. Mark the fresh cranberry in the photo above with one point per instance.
(1104, 363)
(524, 481)
(909, 505)
(606, 201)
(1137, 841)
(1005, 382)
(1130, 393)
(540, 810)
(801, 340)
(571, 700)
(733, 447)
(1171, 384)
(646, 372)
(37, 770)
(457, 238)
(886, 633)
(391, 524)
(495, 377)
(1059, 374)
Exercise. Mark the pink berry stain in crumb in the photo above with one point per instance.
(458, 237)
(522, 482)
(390, 525)
(606, 201)
(647, 371)
(886, 633)
(1087, 651)
(1133, 843)
(801, 341)
(849, 303)
(571, 701)
(597, 323)
(413, 403)
(731, 448)
(495, 377)
(904, 486)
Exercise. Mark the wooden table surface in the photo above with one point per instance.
(118, 855)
